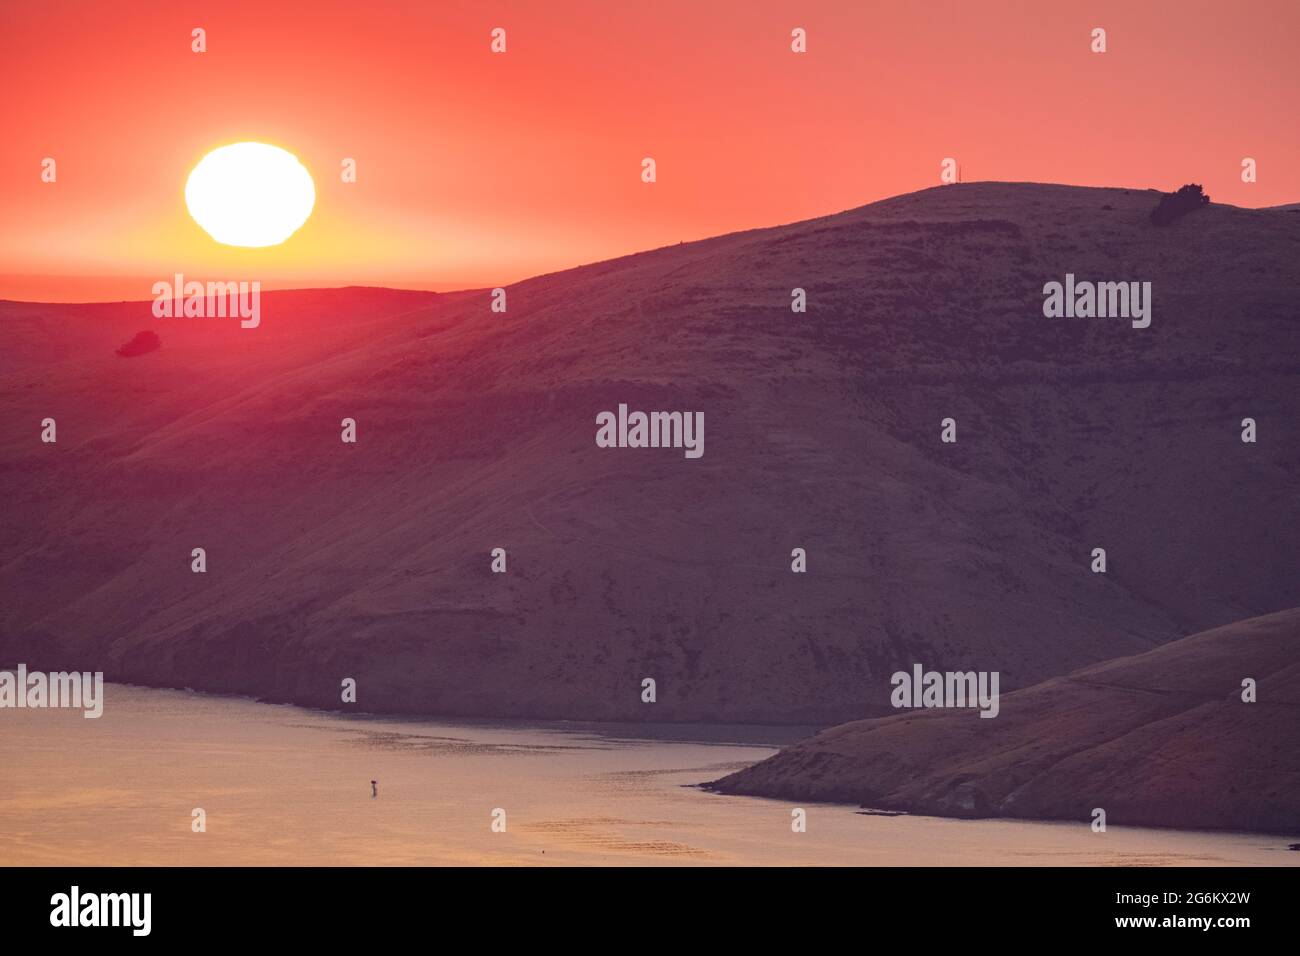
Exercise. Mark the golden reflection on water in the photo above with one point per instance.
(282, 785)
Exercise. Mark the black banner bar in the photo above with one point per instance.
(369, 906)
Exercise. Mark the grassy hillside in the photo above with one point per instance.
(1157, 739)
(476, 430)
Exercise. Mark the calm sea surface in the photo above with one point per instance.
(283, 785)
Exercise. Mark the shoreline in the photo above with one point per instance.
(935, 814)
(282, 784)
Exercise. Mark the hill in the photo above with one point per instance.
(1157, 739)
(476, 429)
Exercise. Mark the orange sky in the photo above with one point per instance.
(480, 169)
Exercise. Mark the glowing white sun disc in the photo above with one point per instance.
(250, 194)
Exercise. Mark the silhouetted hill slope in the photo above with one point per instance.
(1157, 739)
(477, 430)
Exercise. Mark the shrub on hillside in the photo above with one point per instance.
(142, 343)
(1176, 205)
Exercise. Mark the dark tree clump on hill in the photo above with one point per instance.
(142, 343)
(1176, 205)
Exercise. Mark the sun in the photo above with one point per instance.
(250, 194)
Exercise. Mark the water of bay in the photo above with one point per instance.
(284, 785)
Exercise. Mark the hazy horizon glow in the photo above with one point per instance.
(477, 169)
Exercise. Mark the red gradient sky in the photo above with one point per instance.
(478, 169)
